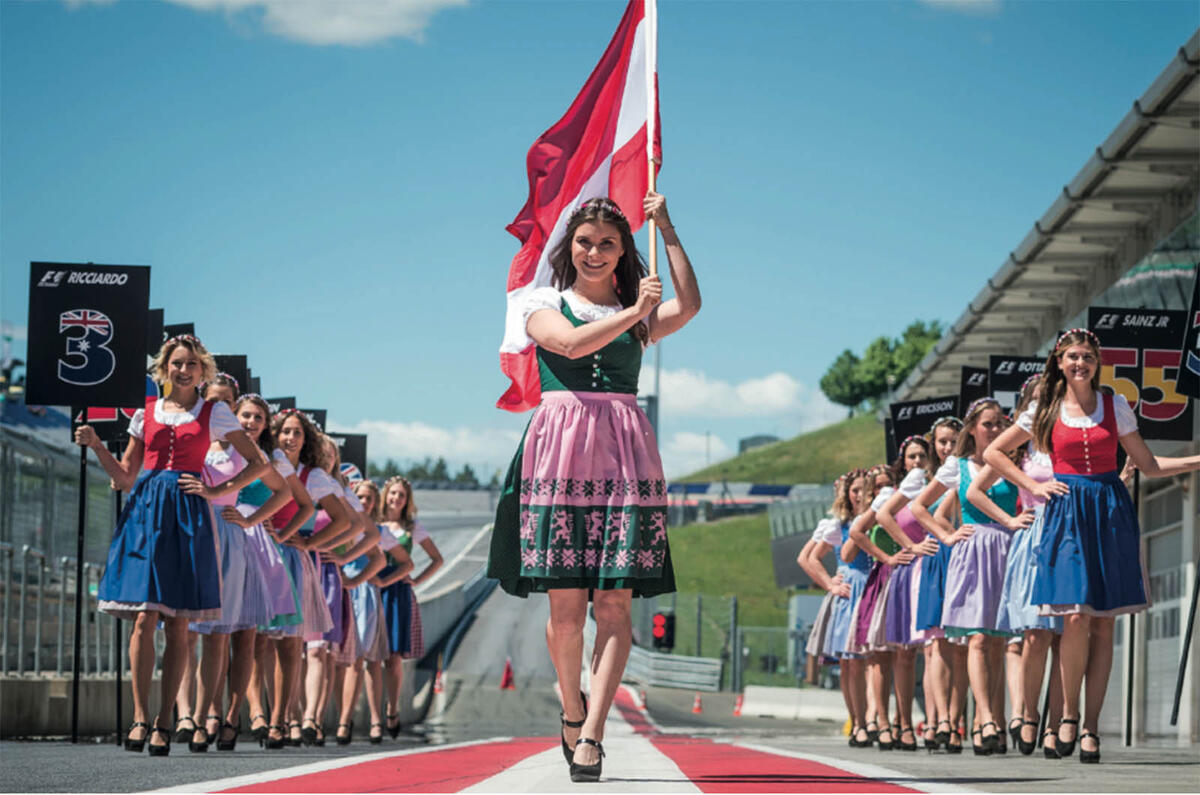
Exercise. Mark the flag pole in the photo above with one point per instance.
(651, 18)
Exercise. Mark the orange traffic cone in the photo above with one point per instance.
(737, 707)
(642, 699)
(438, 687)
(697, 707)
(507, 681)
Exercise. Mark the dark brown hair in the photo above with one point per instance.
(630, 268)
(1054, 386)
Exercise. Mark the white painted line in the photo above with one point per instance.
(216, 785)
(865, 769)
(632, 764)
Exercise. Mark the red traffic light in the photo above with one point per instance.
(660, 620)
(659, 631)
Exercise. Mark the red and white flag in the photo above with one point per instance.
(599, 148)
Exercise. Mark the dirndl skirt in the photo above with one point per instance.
(163, 556)
(244, 602)
(898, 609)
(282, 597)
(869, 628)
(402, 616)
(314, 612)
(974, 580)
(584, 503)
(1017, 613)
(368, 620)
(1089, 558)
(931, 591)
(348, 650)
(333, 593)
(838, 635)
(820, 627)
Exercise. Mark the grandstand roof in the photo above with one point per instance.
(1137, 187)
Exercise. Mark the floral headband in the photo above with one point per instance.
(1090, 335)
(979, 402)
(188, 338)
(1029, 381)
(600, 203)
(231, 378)
(916, 437)
(953, 422)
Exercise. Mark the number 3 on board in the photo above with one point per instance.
(89, 361)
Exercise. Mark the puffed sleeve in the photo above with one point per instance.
(541, 298)
(883, 496)
(320, 485)
(221, 421)
(913, 483)
(947, 473)
(282, 465)
(419, 533)
(1025, 420)
(833, 533)
(1126, 419)
(136, 423)
(352, 498)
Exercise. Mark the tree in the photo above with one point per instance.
(390, 468)
(466, 477)
(840, 382)
(912, 347)
(441, 471)
(373, 470)
(874, 368)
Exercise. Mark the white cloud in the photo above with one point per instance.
(324, 22)
(415, 441)
(685, 452)
(989, 8)
(690, 393)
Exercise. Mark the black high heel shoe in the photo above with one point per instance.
(942, 737)
(375, 739)
(1014, 731)
(1050, 744)
(199, 746)
(320, 736)
(349, 733)
(886, 745)
(259, 734)
(981, 748)
(160, 750)
(990, 741)
(230, 744)
(1063, 748)
(137, 746)
(568, 752)
(954, 748)
(184, 734)
(274, 743)
(1086, 756)
(393, 730)
(298, 740)
(855, 742)
(587, 773)
(903, 746)
(872, 734)
(1026, 748)
(309, 736)
(930, 738)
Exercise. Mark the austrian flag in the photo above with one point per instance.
(601, 147)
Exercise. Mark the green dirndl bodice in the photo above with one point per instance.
(584, 502)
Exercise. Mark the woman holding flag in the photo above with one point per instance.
(583, 512)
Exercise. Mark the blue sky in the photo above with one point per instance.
(324, 186)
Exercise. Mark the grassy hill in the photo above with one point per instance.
(815, 457)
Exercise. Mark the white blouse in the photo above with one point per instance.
(282, 465)
(220, 421)
(321, 485)
(948, 474)
(1126, 419)
(913, 483)
(829, 531)
(883, 496)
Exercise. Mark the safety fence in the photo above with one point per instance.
(38, 632)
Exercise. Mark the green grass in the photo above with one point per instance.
(815, 457)
(718, 560)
